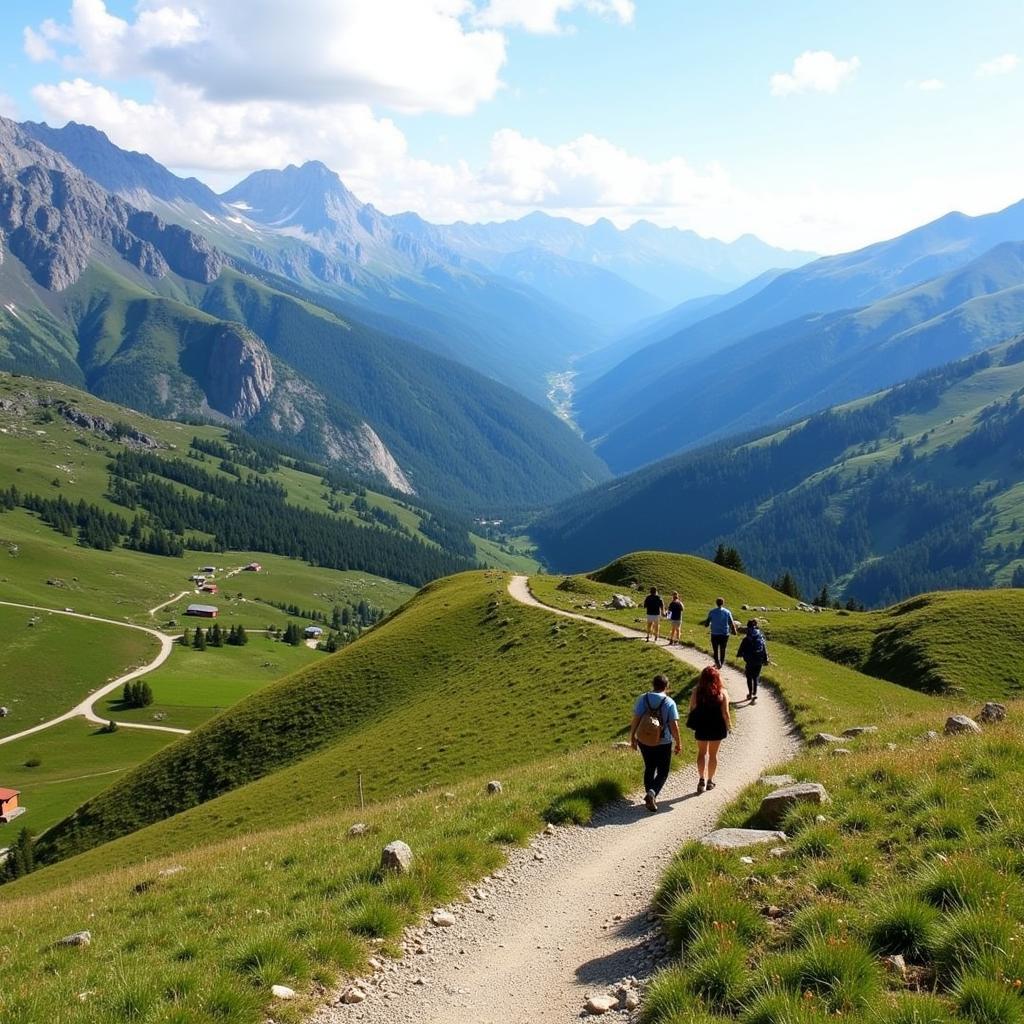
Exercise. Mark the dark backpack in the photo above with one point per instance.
(756, 650)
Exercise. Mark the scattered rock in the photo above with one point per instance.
(895, 964)
(775, 806)
(360, 828)
(352, 994)
(777, 851)
(737, 838)
(493, 787)
(448, 796)
(775, 781)
(75, 939)
(774, 912)
(930, 736)
(959, 724)
(621, 745)
(443, 919)
(841, 751)
(282, 992)
(620, 602)
(550, 829)
(597, 1005)
(891, 746)
(174, 869)
(746, 860)
(823, 739)
(993, 711)
(820, 819)
(859, 730)
(396, 856)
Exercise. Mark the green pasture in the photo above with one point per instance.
(48, 663)
(192, 686)
(76, 761)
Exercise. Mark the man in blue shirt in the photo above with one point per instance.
(722, 626)
(657, 755)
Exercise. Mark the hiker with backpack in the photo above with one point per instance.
(655, 733)
(711, 722)
(722, 626)
(675, 617)
(654, 605)
(754, 652)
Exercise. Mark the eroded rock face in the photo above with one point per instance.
(239, 373)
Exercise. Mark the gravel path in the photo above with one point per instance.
(568, 916)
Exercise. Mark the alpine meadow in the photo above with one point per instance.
(511, 512)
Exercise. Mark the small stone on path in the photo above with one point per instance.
(282, 992)
(442, 919)
(597, 1005)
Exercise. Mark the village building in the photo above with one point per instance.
(209, 588)
(204, 611)
(253, 567)
(208, 569)
(9, 808)
(312, 632)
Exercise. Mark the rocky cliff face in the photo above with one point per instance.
(52, 217)
(239, 375)
(363, 450)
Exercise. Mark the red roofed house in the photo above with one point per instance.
(9, 808)
(254, 567)
(209, 588)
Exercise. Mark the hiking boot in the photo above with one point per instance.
(700, 786)
(710, 786)
(651, 801)
(753, 700)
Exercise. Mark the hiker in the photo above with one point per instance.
(754, 652)
(654, 605)
(675, 617)
(655, 732)
(722, 625)
(711, 722)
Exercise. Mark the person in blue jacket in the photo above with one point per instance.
(722, 626)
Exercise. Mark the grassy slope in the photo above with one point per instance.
(403, 704)
(193, 686)
(76, 762)
(48, 663)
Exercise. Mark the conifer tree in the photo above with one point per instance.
(242, 638)
(216, 637)
(186, 638)
(199, 640)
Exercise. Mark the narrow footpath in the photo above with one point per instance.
(85, 708)
(552, 929)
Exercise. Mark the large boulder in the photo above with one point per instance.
(737, 838)
(993, 711)
(775, 806)
(957, 725)
(397, 857)
(620, 601)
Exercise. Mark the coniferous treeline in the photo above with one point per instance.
(253, 515)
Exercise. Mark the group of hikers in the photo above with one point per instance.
(654, 730)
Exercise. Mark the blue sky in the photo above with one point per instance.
(698, 115)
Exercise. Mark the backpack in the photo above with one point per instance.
(756, 650)
(649, 731)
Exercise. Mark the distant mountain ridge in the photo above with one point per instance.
(824, 312)
(152, 315)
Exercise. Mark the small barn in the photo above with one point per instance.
(9, 808)
(312, 632)
(254, 567)
(209, 588)
(208, 569)
(204, 611)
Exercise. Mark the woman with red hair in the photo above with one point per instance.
(711, 722)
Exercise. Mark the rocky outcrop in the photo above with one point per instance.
(363, 449)
(125, 433)
(239, 375)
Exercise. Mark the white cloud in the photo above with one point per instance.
(335, 50)
(542, 16)
(1001, 65)
(8, 106)
(814, 71)
(928, 85)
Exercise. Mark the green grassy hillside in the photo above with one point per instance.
(460, 681)
(910, 490)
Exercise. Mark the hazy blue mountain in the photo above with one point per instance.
(914, 488)
(818, 360)
(848, 281)
(665, 326)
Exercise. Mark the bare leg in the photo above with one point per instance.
(702, 755)
(712, 751)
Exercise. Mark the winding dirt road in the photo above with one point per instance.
(84, 708)
(558, 928)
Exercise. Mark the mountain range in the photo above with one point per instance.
(838, 327)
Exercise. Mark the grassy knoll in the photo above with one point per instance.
(48, 663)
(297, 906)
(970, 639)
(918, 855)
(75, 763)
(404, 703)
(193, 686)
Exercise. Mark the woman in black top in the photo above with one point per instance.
(711, 723)
(675, 617)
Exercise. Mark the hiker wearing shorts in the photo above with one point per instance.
(675, 617)
(754, 652)
(654, 731)
(654, 605)
(722, 626)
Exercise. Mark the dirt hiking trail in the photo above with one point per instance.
(569, 914)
